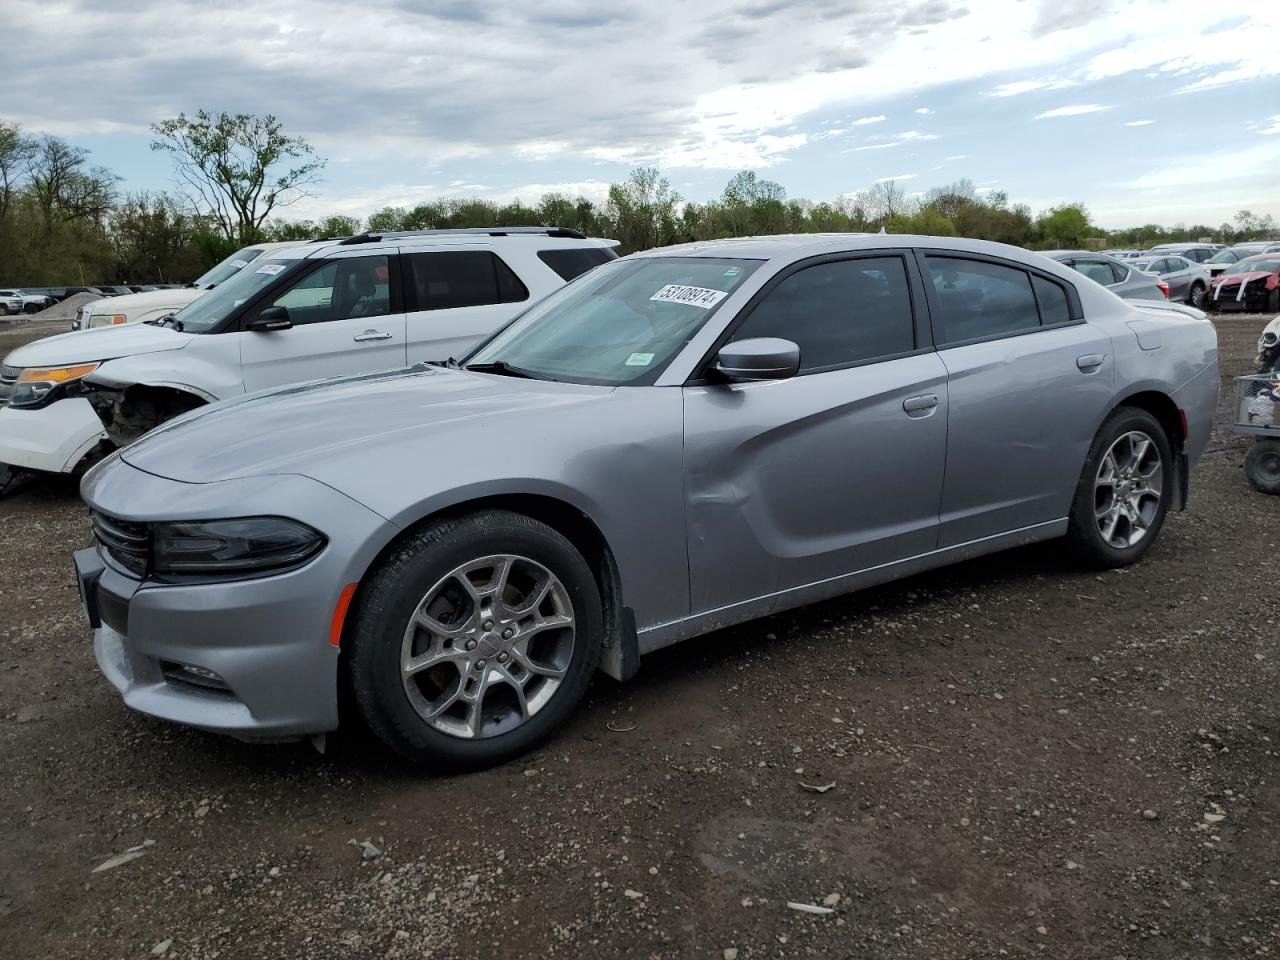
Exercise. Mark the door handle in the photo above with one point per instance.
(371, 335)
(920, 404)
(1090, 362)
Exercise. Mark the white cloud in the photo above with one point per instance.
(1139, 123)
(874, 146)
(916, 135)
(1018, 87)
(958, 156)
(923, 111)
(864, 121)
(1073, 110)
(1275, 125)
(900, 176)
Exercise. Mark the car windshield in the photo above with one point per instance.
(1255, 265)
(620, 324)
(229, 267)
(201, 315)
(1224, 256)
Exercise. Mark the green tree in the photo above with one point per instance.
(237, 167)
(642, 210)
(1065, 226)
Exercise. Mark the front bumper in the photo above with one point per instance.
(249, 658)
(54, 438)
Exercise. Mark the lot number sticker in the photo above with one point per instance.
(703, 297)
(271, 268)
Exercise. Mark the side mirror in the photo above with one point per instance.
(272, 318)
(760, 358)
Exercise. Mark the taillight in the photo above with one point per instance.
(1164, 288)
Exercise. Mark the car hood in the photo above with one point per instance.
(322, 429)
(1238, 277)
(145, 303)
(105, 343)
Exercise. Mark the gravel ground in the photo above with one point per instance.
(1028, 761)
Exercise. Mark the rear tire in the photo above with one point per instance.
(1196, 297)
(1126, 487)
(1262, 466)
(483, 600)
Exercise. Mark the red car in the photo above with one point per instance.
(1252, 285)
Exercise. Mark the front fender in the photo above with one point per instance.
(196, 375)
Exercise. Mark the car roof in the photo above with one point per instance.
(788, 248)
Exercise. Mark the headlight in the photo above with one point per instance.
(107, 320)
(241, 546)
(38, 386)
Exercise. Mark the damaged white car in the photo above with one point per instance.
(363, 304)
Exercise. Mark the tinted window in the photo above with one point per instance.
(349, 287)
(1052, 300)
(575, 261)
(978, 299)
(467, 278)
(838, 313)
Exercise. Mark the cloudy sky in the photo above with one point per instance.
(1147, 110)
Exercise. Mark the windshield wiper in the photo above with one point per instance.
(506, 370)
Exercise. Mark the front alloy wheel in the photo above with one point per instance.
(488, 646)
(473, 639)
(1127, 490)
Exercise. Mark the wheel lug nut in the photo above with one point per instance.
(471, 644)
(502, 658)
(507, 634)
(479, 664)
(488, 624)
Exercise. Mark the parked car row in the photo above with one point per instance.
(582, 473)
(13, 301)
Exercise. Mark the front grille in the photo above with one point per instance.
(125, 542)
(8, 377)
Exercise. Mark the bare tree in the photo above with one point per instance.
(885, 200)
(64, 187)
(238, 167)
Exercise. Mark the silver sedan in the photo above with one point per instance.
(675, 442)
(1122, 279)
(1188, 281)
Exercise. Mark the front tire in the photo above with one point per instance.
(1196, 297)
(1124, 491)
(473, 640)
(10, 478)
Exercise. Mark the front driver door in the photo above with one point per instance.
(346, 318)
(839, 469)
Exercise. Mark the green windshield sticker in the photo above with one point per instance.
(639, 359)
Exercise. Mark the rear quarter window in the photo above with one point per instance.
(572, 262)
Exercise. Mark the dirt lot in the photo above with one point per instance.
(1029, 761)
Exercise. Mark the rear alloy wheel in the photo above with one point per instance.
(474, 640)
(1262, 466)
(1124, 492)
(1196, 298)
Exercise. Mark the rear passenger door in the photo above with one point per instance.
(455, 298)
(1028, 381)
(835, 470)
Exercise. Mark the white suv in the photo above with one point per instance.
(154, 304)
(326, 309)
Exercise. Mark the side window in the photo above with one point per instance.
(571, 262)
(839, 313)
(978, 299)
(348, 287)
(1052, 300)
(465, 278)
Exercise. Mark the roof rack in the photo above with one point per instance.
(368, 237)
